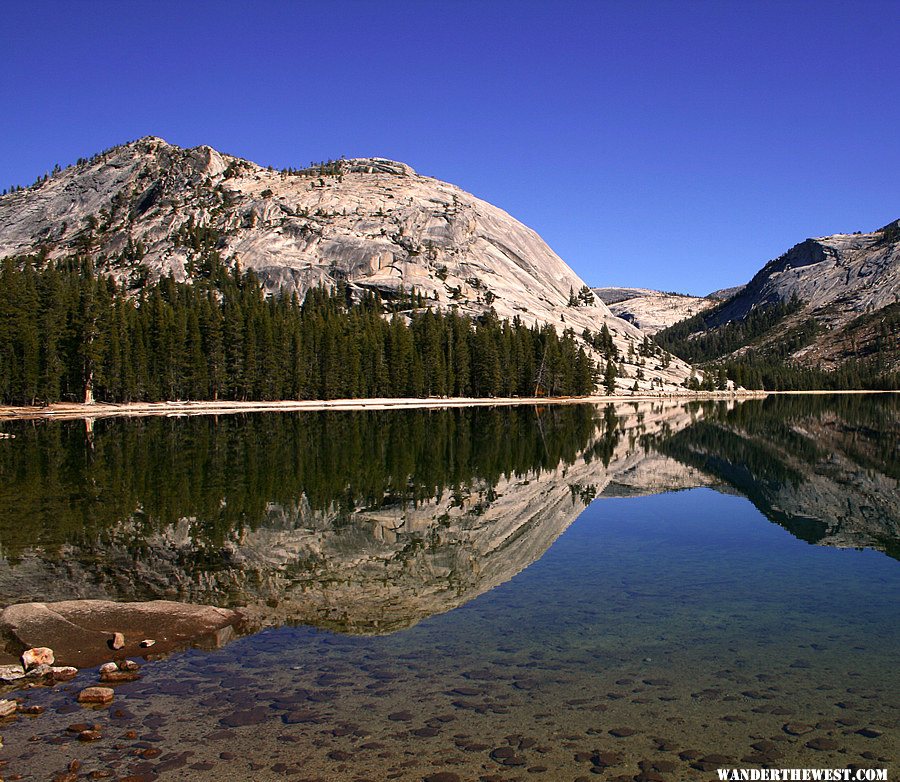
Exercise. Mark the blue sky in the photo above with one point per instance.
(676, 145)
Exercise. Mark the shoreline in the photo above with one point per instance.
(74, 410)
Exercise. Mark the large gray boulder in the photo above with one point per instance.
(80, 631)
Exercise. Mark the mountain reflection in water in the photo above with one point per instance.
(368, 522)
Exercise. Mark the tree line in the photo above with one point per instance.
(696, 340)
(68, 333)
(869, 365)
(135, 477)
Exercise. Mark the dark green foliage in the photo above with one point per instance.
(875, 336)
(609, 377)
(869, 364)
(324, 168)
(224, 474)
(584, 297)
(870, 353)
(602, 342)
(67, 333)
(755, 372)
(693, 340)
(890, 234)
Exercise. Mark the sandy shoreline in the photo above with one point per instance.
(66, 411)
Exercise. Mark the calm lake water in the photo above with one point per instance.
(645, 591)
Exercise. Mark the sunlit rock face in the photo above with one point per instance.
(371, 223)
(651, 310)
(838, 277)
(845, 286)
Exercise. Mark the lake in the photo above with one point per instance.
(650, 591)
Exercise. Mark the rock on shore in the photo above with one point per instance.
(78, 631)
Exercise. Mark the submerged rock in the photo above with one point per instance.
(822, 744)
(80, 630)
(96, 695)
(118, 677)
(797, 728)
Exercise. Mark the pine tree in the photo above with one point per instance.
(609, 378)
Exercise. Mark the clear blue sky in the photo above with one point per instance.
(676, 145)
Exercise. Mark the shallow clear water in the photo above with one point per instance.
(685, 621)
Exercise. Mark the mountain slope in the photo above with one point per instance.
(826, 304)
(652, 310)
(837, 277)
(150, 208)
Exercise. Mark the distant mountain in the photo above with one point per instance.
(725, 293)
(828, 304)
(149, 209)
(652, 310)
(836, 277)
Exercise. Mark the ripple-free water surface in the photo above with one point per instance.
(667, 635)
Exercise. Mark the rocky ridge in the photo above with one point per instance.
(837, 277)
(151, 208)
(651, 310)
(847, 291)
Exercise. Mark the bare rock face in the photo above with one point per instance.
(838, 277)
(371, 223)
(725, 293)
(848, 285)
(79, 630)
(651, 310)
